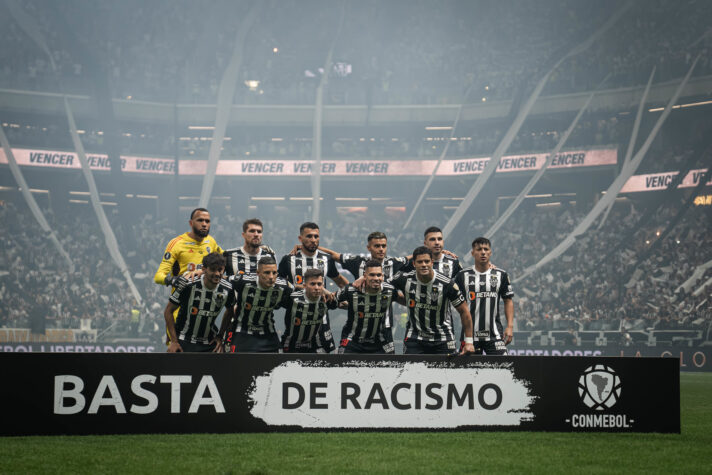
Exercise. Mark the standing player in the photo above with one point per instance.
(199, 302)
(306, 323)
(243, 260)
(365, 330)
(377, 245)
(483, 287)
(256, 298)
(293, 266)
(427, 295)
(446, 264)
(185, 252)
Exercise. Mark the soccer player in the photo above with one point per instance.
(293, 266)
(483, 288)
(377, 245)
(243, 260)
(445, 264)
(256, 296)
(199, 302)
(306, 320)
(366, 329)
(427, 295)
(185, 252)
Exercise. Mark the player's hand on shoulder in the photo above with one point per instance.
(267, 249)
(492, 266)
(451, 254)
(193, 274)
(359, 283)
(295, 249)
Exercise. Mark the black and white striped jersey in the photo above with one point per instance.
(428, 305)
(446, 265)
(367, 319)
(483, 292)
(254, 306)
(238, 261)
(357, 264)
(306, 323)
(293, 267)
(199, 307)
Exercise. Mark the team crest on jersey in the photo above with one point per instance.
(494, 281)
(220, 298)
(446, 269)
(167, 255)
(207, 249)
(320, 264)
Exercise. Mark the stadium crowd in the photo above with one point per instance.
(178, 52)
(612, 291)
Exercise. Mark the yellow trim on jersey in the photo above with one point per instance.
(187, 252)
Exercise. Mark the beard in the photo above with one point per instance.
(311, 247)
(201, 233)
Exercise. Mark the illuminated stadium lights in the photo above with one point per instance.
(189, 197)
(341, 198)
(267, 198)
(438, 127)
(277, 139)
(400, 209)
(35, 190)
(484, 99)
(152, 197)
(303, 198)
(275, 50)
(79, 201)
(201, 127)
(545, 205)
(657, 233)
(252, 84)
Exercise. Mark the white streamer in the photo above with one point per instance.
(226, 96)
(615, 187)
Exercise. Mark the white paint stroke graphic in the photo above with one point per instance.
(481, 396)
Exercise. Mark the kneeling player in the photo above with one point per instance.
(366, 330)
(199, 302)
(256, 298)
(483, 287)
(428, 294)
(306, 320)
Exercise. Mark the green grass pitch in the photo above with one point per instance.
(463, 452)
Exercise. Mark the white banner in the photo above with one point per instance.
(269, 167)
(660, 181)
(412, 395)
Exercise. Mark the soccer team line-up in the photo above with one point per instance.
(250, 284)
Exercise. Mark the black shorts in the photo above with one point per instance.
(244, 343)
(496, 347)
(189, 347)
(420, 347)
(310, 347)
(375, 348)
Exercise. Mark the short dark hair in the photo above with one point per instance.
(432, 229)
(247, 223)
(196, 210)
(308, 225)
(376, 235)
(481, 241)
(213, 259)
(266, 261)
(312, 274)
(372, 263)
(422, 250)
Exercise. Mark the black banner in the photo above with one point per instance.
(192, 393)
(692, 358)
